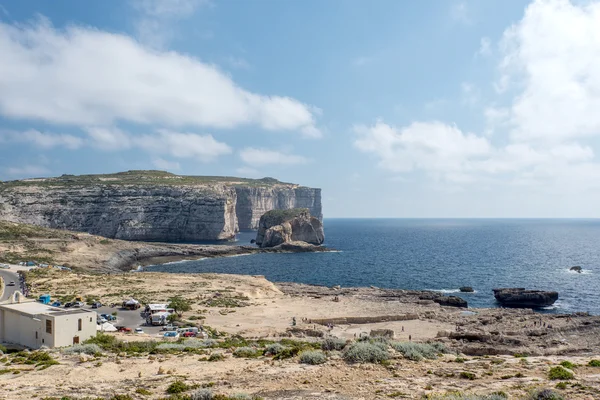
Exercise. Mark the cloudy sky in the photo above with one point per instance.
(394, 108)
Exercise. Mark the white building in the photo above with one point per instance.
(33, 324)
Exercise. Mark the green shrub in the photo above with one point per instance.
(594, 363)
(544, 394)
(202, 394)
(143, 392)
(90, 349)
(312, 357)
(178, 387)
(560, 373)
(561, 385)
(462, 396)
(247, 352)
(216, 357)
(468, 375)
(417, 351)
(273, 349)
(331, 344)
(568, 365)
(365, 352)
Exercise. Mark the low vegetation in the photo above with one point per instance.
(366, 352)
(313, 357)
(560, 373)
(418, 351)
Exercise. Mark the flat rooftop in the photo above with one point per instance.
(35, 308)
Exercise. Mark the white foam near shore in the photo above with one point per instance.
(446, 291)
(583, 272)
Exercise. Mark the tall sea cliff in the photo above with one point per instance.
(151, 205)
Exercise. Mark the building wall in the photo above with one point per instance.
(67, 327)
(21, 329)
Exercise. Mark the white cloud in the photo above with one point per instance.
(460, 13)
(88, 77)
(40, 139)
(432, 146)
(183, 145)
(166, 165)
(238, 63)
(485, 47)
(157, 19)
(554, 53)
(254, 156)
(27, 171)
(109, 138)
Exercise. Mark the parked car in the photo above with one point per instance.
(109, 317)
(11, 283)
(101, 320)
(189, 334)
(139, 330)
(169, 327)
(78, 304)
(68, 305)
(96, 305)
(56, 304)
(123, 329)
(171, 335)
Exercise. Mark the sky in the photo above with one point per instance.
(394, 108)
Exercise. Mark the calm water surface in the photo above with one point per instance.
(439, 254)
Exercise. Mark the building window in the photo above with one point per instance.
(49, 326)
(36, 334)
(79, 324)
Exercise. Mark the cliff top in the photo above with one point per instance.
(149, 177)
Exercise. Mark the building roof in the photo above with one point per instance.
(154, 307)
(33, 308)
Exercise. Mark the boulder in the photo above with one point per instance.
(466, 289)
(451, 301)
(576, 268)
(522, 298)
(295, 225)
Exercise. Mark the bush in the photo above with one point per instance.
(90, 349)
(247, 352)
(216, 357)
(568, 365)
(594, 363)
(202, 394)
(177, 387)
(274, 349)
(468, 375)
(417, 351)
(365, 352)
(560, 373)
(544, 394)
(330, 344)
(312, 357)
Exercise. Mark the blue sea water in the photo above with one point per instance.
(439, 254)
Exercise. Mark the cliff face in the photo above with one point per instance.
(253, 202)
(150, 206)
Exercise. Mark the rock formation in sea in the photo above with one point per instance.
(522, 298)
(277, 227)
(151, 205)
(466, 289)
(576, 268)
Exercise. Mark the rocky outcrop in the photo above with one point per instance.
(151, 205)
(576, 269)
(522, 298)
(466, 289)
(277, 227)
(448, 301)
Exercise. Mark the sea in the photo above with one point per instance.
(440, 255)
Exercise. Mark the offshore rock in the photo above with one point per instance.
(466, 289)
(522, 298)
(277, 227)
(576, 269)
(151, 205)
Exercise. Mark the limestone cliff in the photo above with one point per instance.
(151, 205)
(277, 227)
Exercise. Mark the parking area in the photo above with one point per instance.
(129, 319)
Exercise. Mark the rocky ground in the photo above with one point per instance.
(487, 350)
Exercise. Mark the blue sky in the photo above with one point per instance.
(395, 109)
